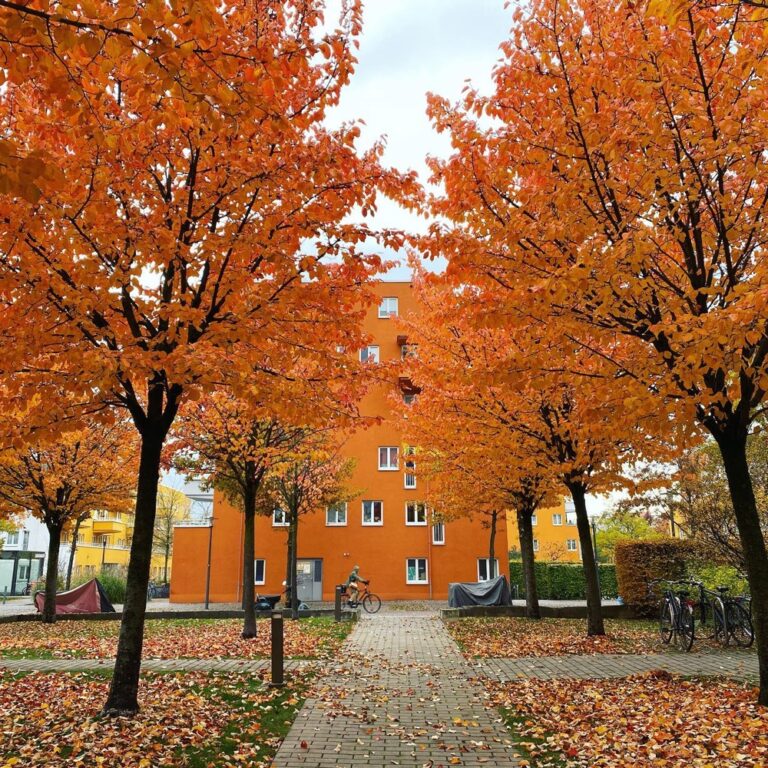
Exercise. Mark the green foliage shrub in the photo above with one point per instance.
(640, 562)
(563, 581)
(114, 584)
(713, 576)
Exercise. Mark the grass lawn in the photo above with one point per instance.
(646, 721)
(193, 719)
(311, 638)
(511, 637)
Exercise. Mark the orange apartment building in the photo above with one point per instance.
(386, 530)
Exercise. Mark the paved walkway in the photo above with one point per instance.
(401, 695)
(739, 665)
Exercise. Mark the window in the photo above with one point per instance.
(410, 470)
(12, 539)
(409, 350)
(535, 545)
(259, 571)
(534, 519)
(25, 540)
(279, 517)
(388, 458)
(336, 514)
(438, 533)
(557, 519)
(571, 545)
(409, 397)
(416, 570)
(487, 569)
(369, 354)
(388, 307)
(23, 574)
(570, 517)
(415, 513)
(373, 513)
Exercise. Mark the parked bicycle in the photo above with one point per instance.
(676, 619)
(365, 598)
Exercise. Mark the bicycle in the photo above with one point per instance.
(714, 603)
(732, 616)
(370, 603)
(676, 616)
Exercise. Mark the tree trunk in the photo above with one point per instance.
(595, 624)
(295, 567)
(123, 692)
(72, 550)
(733, 449)
(249, 554)
(525, 534)
(52, 572)
(492, 544)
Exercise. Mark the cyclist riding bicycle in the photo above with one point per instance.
(352, 585)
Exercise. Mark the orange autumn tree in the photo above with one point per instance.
(63, 481)
(310, 476)
(198, 238)
(498, 382)
(620, 187)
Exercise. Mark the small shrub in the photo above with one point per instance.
(114, 584)
(640, 562)
(713, 576)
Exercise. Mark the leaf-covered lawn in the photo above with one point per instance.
(649, 721)
(170, 639)
(511, 637)
(195, 719)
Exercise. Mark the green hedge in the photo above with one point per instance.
(563, 581)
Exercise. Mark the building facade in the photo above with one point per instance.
(555, 537)
(387, 529)
(22, 556)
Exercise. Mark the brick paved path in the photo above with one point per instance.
(740, 665)
(401, 695)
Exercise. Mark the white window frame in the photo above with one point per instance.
(409, 478)
(384, 307)
(263, 579)
(570, 518)
(388, 467)
(12, 539)
(535, 545)
(486, 561)
(370, 354)
(557, 518)
(438, 541)
(534, 519)
(336, 508)
(415, 505)
(426, 570)
(381, 507)
(275, 522)
(574, 548)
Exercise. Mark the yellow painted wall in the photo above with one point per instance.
(552, 539)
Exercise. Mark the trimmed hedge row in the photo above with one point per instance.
(563, 581)
(639, 562)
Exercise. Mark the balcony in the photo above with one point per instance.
(107, 527)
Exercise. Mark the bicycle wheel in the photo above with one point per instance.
(371, 603)
(685, 628)
(740, 625)
(722, 635)
(666, 622)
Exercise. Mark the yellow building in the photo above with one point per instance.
(104, 540)
(555, 538)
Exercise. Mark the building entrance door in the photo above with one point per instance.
(309, 580)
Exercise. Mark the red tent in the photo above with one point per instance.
(87, 598)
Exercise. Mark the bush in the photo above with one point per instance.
(713, 576)
(640, 562)
(563, 581)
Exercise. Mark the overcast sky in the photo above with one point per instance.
(409, 48)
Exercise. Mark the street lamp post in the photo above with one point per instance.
(208, 571)
(103, 551)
